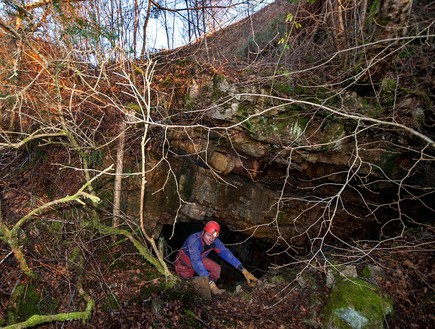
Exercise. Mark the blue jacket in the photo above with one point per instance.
(196, 249)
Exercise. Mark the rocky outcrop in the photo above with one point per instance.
(295, 165)
(279, 169)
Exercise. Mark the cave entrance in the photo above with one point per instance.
(257, 255)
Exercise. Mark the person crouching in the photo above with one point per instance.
(192, 257)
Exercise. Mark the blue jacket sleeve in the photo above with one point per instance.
(226, 254)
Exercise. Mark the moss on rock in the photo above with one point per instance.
(26, 301)
(356, 304)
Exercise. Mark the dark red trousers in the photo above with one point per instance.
(183, 266)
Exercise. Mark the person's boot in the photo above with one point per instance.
(215, 290)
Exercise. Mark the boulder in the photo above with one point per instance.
(356, 304)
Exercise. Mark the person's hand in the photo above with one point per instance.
(251, 279)
(215, 290)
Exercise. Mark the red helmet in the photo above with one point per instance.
(213, 228)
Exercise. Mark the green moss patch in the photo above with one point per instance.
(356, 304)
(28, 300)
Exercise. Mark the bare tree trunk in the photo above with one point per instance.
(118, 176)
(340, 25)
(167, 29)
(335, 10)
(189, 23)
(10, 238)
(145, 25)
(145, 99)
(135, 27)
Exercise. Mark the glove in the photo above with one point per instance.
(252, 280)
(215, 290)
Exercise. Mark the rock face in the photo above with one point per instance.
(285, 166)
(286, 176)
